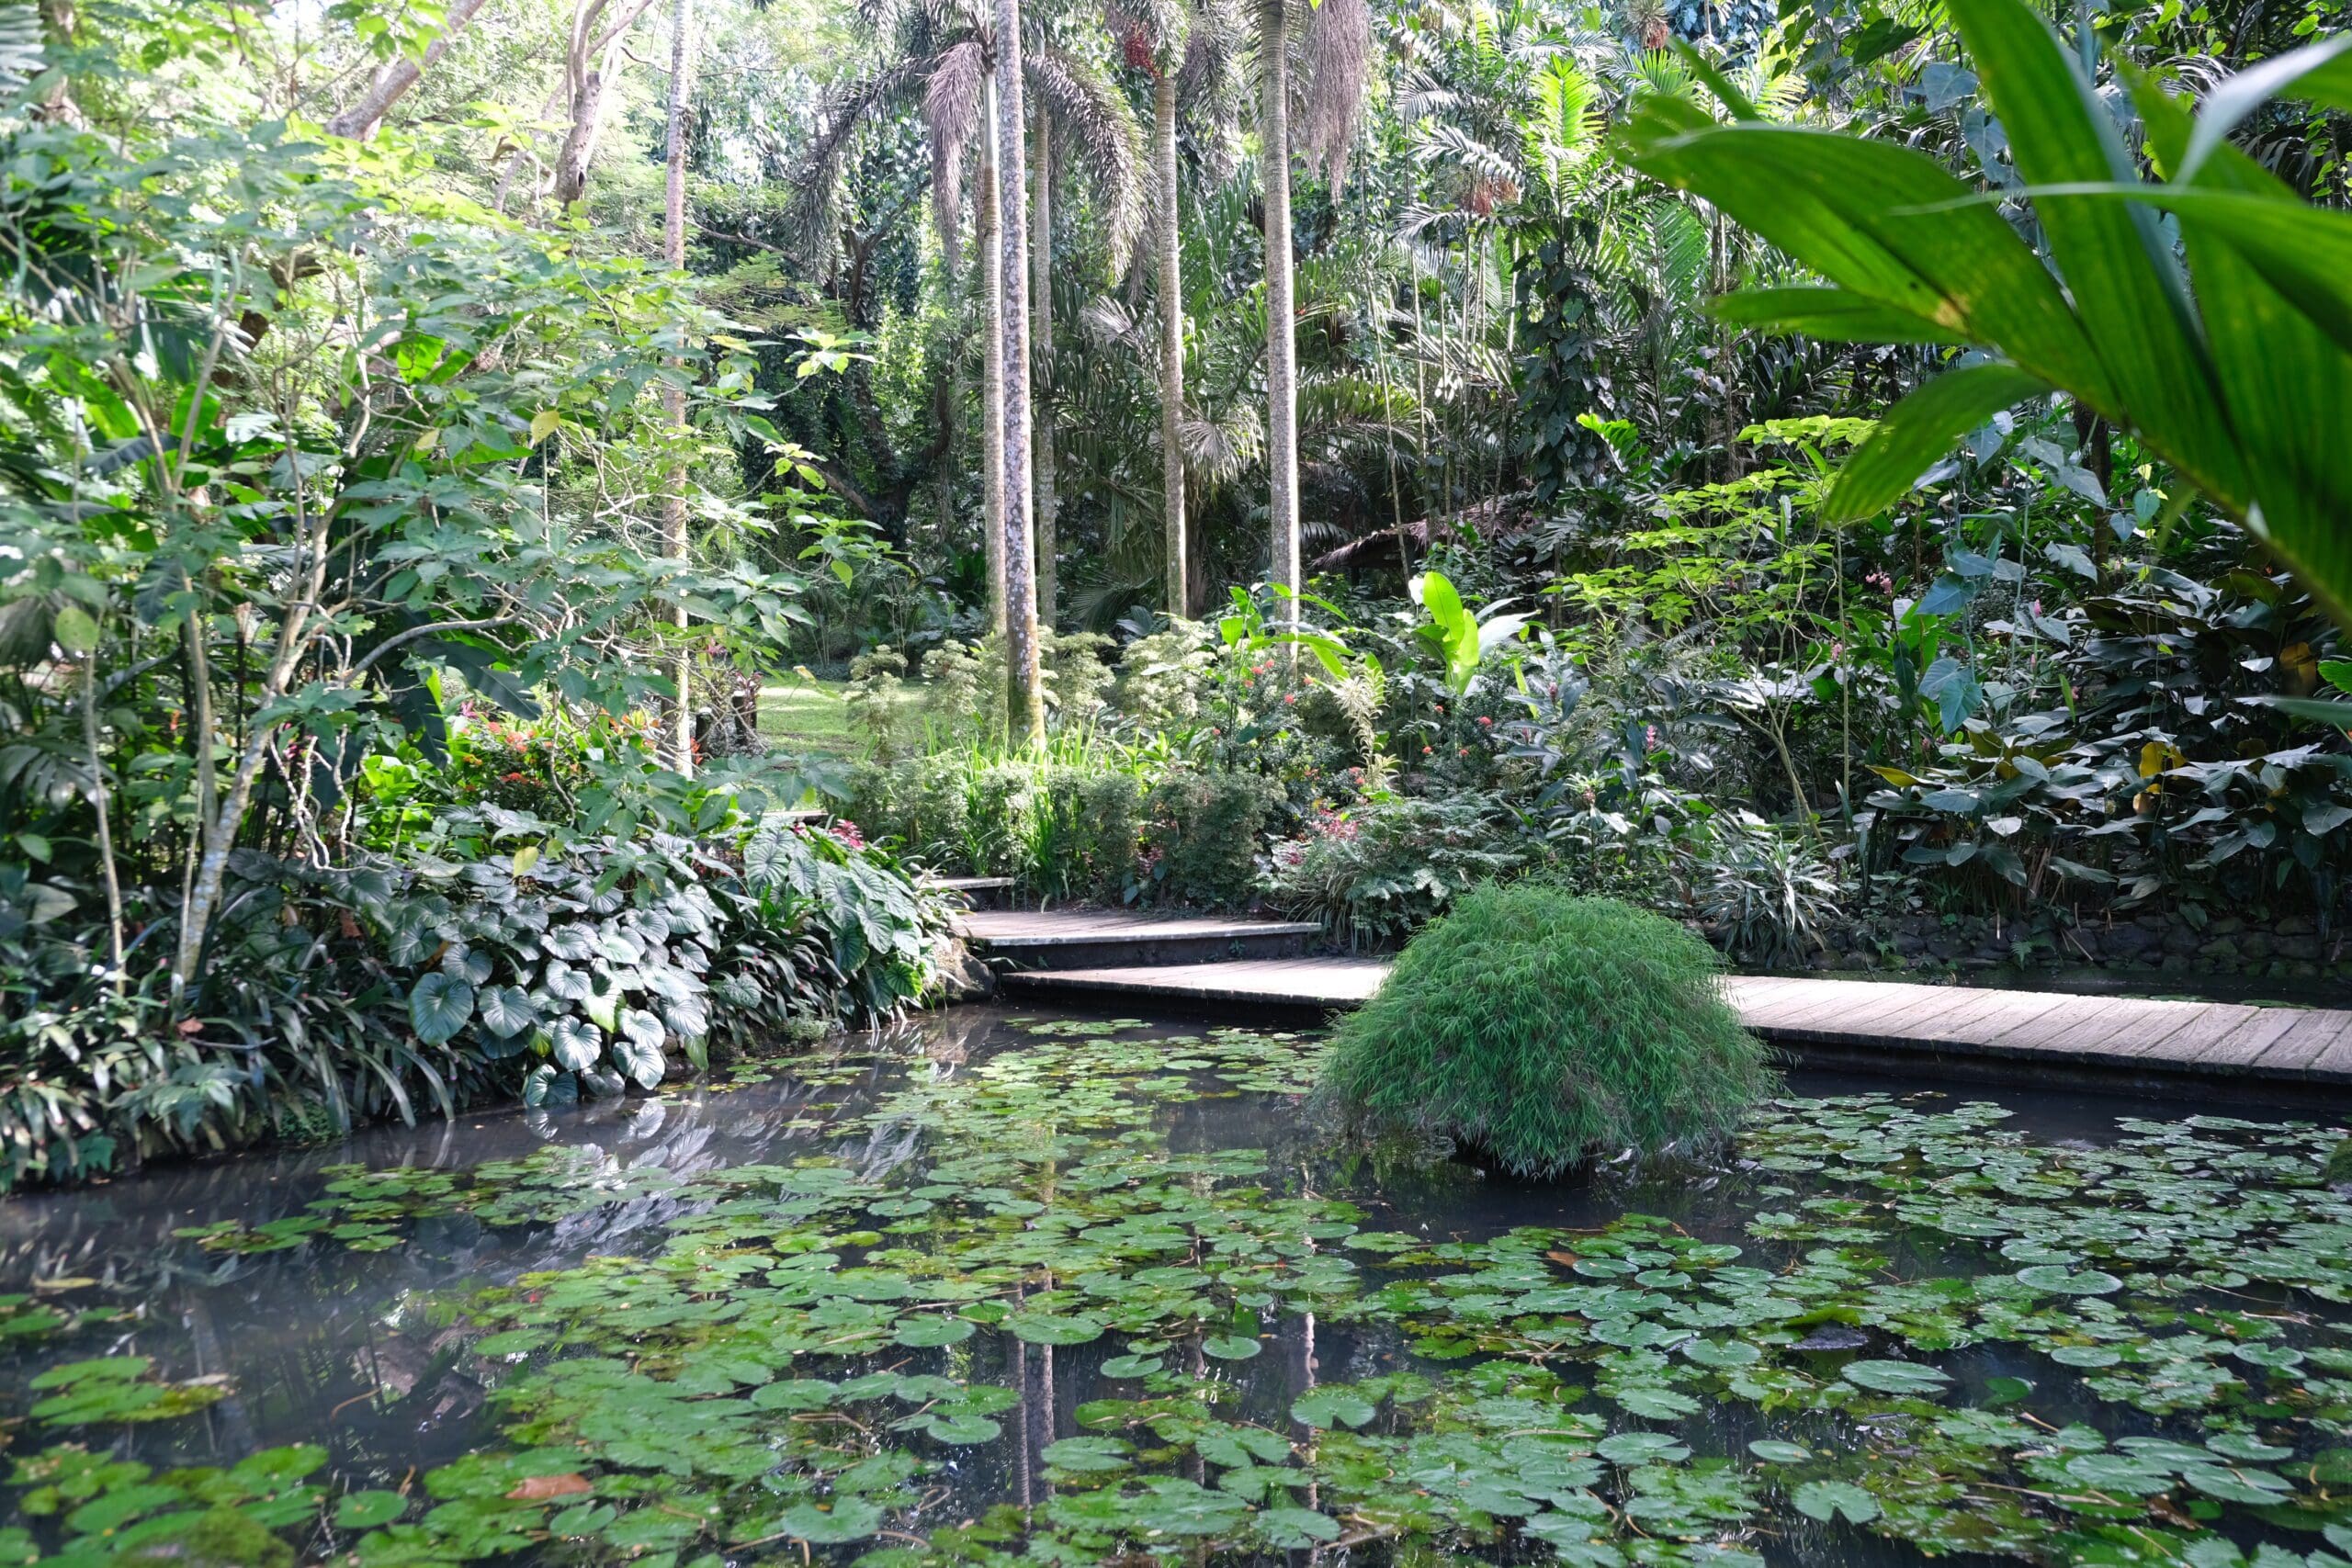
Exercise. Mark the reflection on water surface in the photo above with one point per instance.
(1084, 1289)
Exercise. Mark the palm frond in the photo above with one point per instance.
(1087, 104)
(1338, 51)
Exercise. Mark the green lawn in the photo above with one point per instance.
(807, 716)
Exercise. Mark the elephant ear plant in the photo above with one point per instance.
(2218, 367)
(587, 967)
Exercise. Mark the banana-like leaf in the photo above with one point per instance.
(1889, 225)
(1920, 428)
(2320, 71)
(2126, 284)
(1834, 315)
(2284, 383)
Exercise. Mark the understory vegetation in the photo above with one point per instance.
(1536, 1029)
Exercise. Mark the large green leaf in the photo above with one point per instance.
(2120, 270)
(1920, 428)
(438, 1007)
(1889, 225)
(2280, 376)
(1835, 315)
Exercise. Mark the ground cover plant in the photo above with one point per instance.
(1083, 1288)
(1538, 1029)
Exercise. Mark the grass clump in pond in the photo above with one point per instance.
(1543, 1029)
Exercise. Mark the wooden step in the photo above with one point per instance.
(1020, 940)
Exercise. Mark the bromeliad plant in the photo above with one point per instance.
(2216, 366)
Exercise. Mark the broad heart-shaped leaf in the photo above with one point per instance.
(1920, 428)
(506, 1010)
(439, 1006)
(2119, 269)
(1833, 315)
(636, 1049)
(1888, 224)
(575, 1045)
(1827, 1500)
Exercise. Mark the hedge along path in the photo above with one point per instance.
(1954, 1030)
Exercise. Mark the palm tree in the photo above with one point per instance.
(673, 246)
(1075, 99)
(944, 52)
(1339, 46)
(1024, 686)
(1281, 324)
(1189, 51)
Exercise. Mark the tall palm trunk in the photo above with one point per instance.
(1041, 300)
(984, 246)
(1172, 336)
(1282, 348)
(673, 236)
(1024, 693)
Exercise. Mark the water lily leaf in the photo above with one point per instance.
(848, 1518)
(365, 1510)
(1089, 1455)
(1830, 1500)
(1777, 1451)
(1130, 1366)
(1291, 1529)
(1897, 1377)
(2063, 1282)
(2247, 1446)
(2253, 1487)
(1632, 1449)
(962, 1430)
(1045, 1328)
(1231, 1347)
(925, 1332)
(1335, 1404)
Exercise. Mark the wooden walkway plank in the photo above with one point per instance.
(2243, 1046)
(2318, 1045)
(1873, 1024)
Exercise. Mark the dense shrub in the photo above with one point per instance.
(1376, 873)
(292, 1029)
(1100, 825)
(1541, 1028)
(484, 966)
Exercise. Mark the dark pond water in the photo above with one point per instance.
(1079, 1289)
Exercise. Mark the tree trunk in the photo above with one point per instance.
(591, 89)
(1041, 300)
(1282, 325)
(674, 248)
(386, 87)
(580, 144)
(1171, 337)
(984, 246)
(1025, 692)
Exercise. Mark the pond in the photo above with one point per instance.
(1079, 1289)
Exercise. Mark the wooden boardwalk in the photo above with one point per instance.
(1960, 1030)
